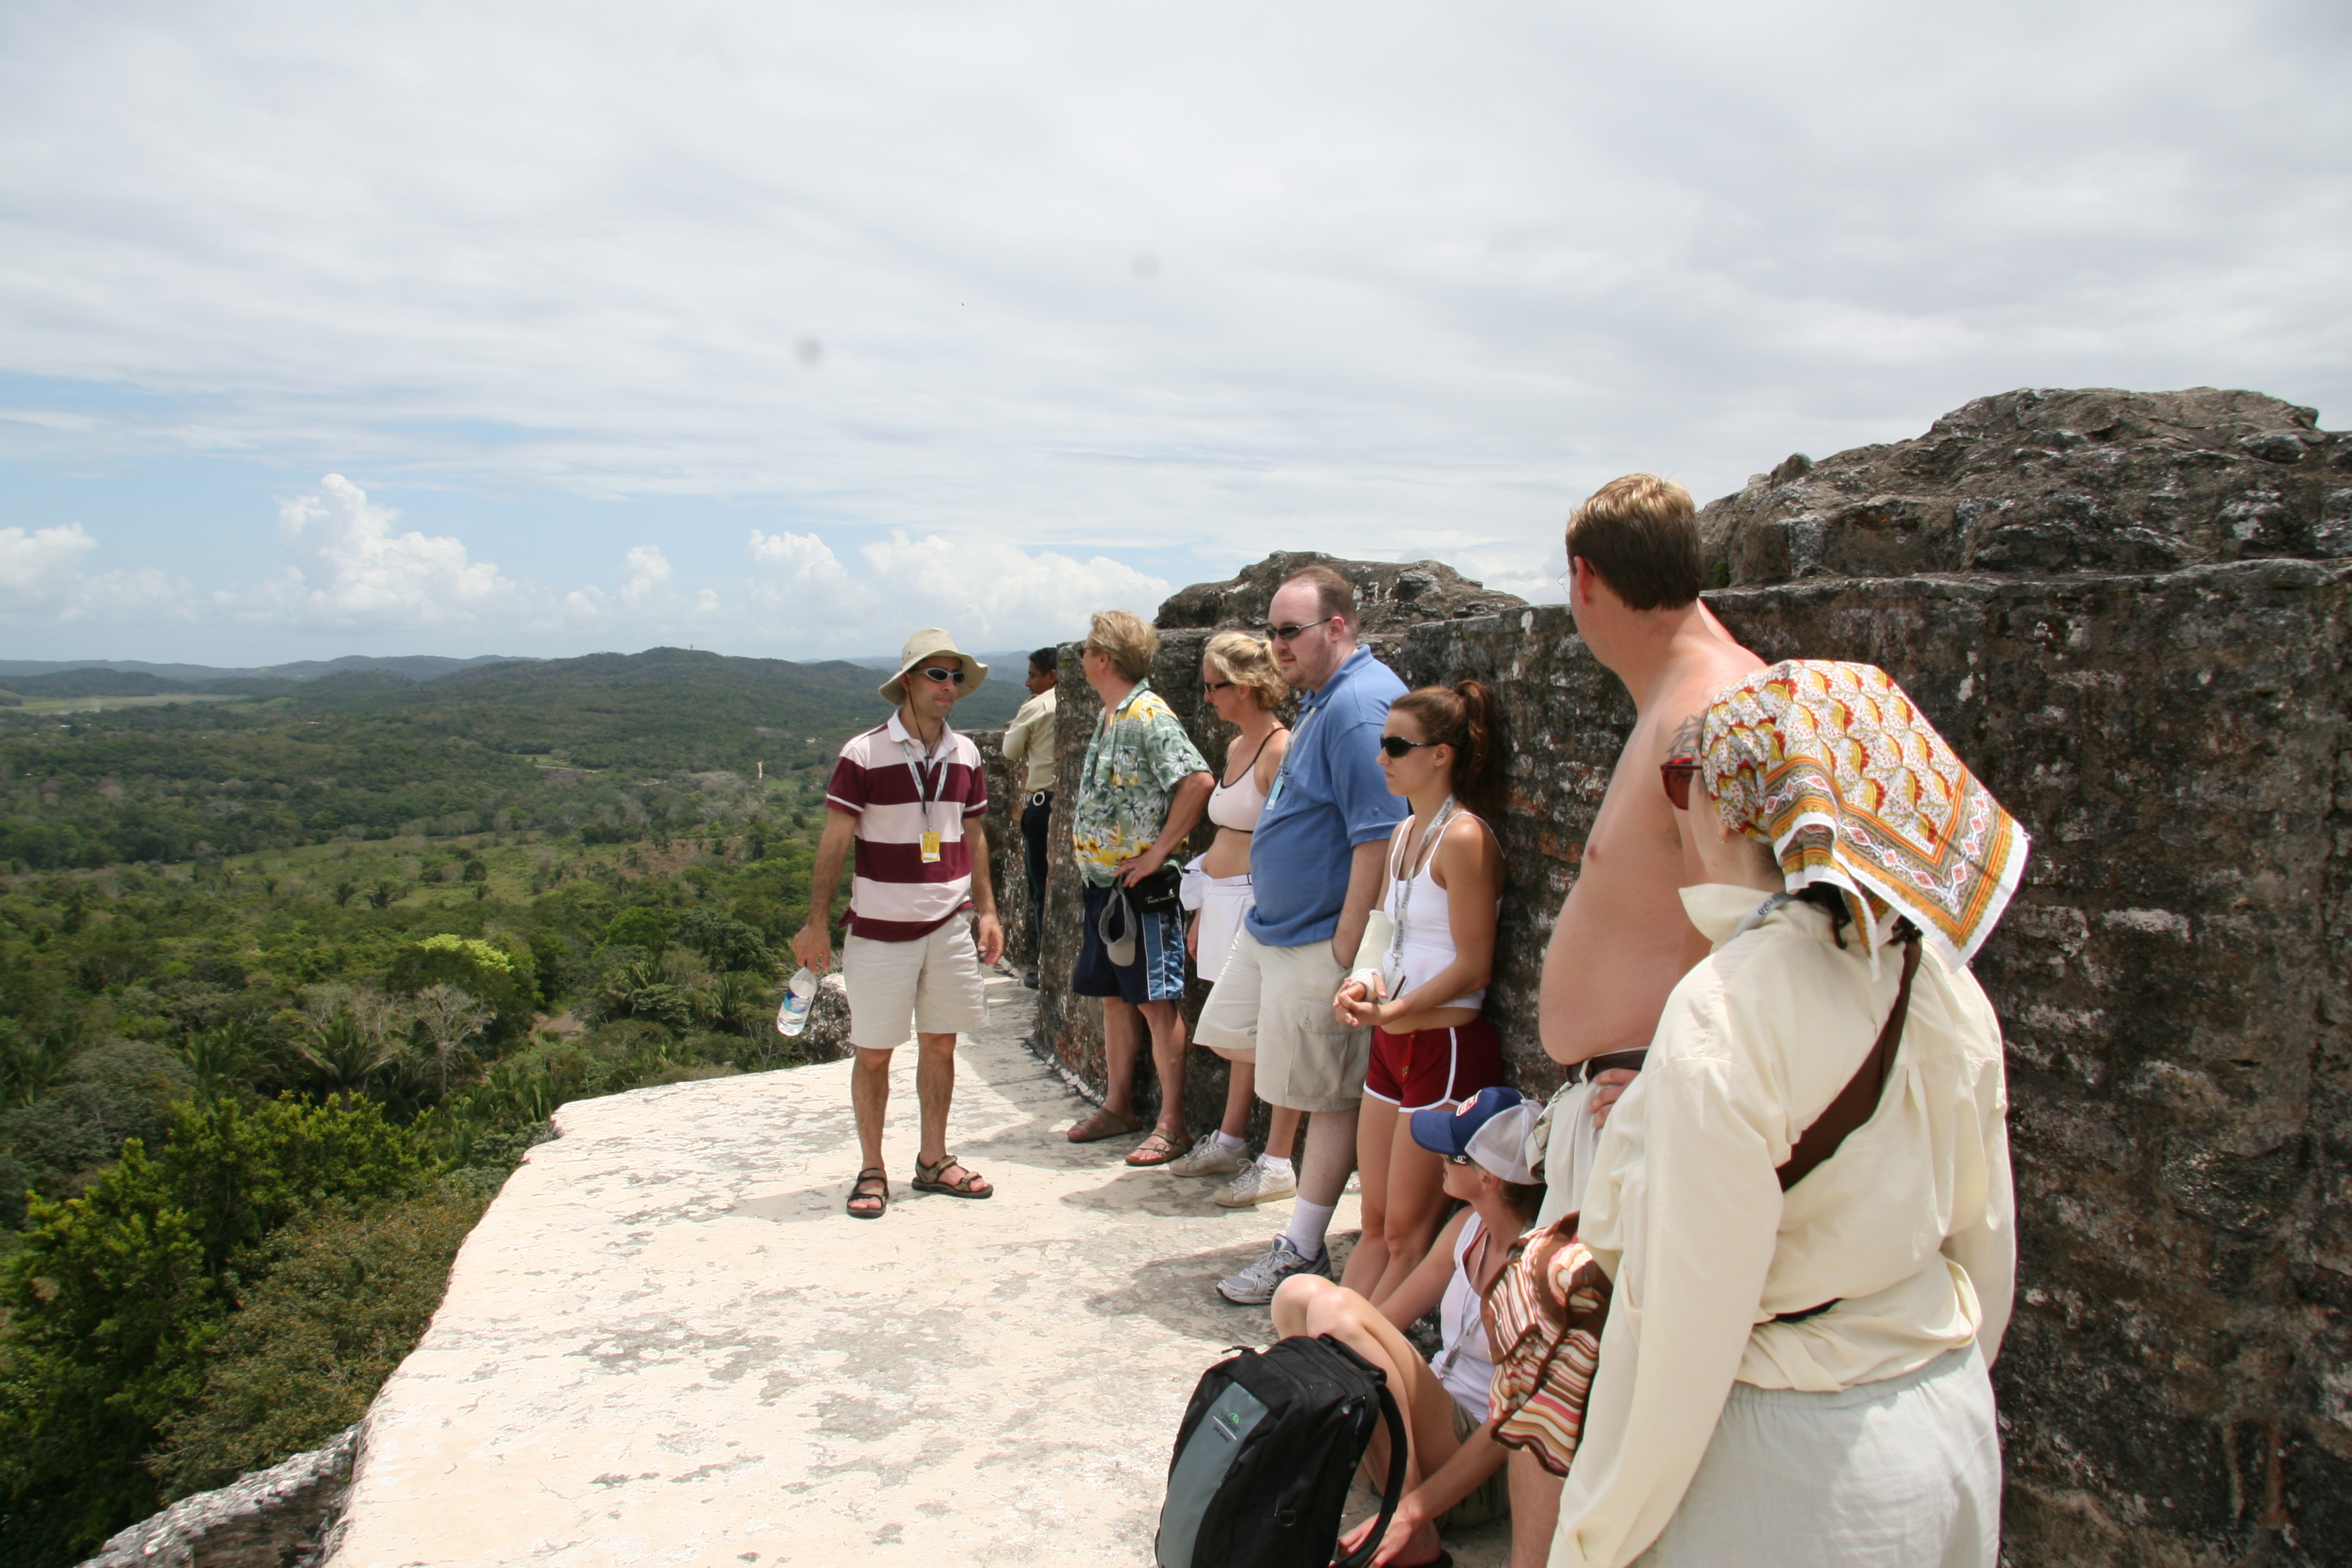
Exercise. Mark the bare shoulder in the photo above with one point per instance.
(1682, 708)
(1271, 757)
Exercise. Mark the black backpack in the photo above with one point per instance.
(1264, 1459)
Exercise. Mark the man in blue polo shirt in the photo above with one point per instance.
(1315, 866)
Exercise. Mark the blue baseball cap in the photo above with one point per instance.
(1501, 1113)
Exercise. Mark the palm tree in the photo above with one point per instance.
(347, 1042)
(450, 1018)
(219, 1058)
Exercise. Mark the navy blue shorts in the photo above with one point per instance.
(1156, 975)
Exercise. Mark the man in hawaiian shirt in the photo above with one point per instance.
(1142, 788)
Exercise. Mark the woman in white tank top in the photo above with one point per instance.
(1422, 992)
(1240, 683)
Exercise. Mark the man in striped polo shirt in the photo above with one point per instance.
(909, 794)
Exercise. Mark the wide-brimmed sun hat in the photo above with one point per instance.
(929, 643)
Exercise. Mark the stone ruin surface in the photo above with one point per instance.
(277, 1517)
(2129, 611)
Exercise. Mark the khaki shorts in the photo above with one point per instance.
(1278, 1000)
(897, 989)
(1492, 1500)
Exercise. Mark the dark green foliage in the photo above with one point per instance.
(345, 1295)
(116, 1293)
(204, 907)
(499, 975)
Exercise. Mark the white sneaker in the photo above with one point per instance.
(1259, 1182)
(1254, 1286)
(1207, 1157)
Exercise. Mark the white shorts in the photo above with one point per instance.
(1224, 900)
(931, 986)
(1277, 1002)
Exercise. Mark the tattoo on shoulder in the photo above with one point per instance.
(1685, 742)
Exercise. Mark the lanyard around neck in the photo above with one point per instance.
(928, 782)
(1429, 835)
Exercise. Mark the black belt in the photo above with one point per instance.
(1592, 1067)
(1808, 1313)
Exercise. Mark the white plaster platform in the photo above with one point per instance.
(665, 1344)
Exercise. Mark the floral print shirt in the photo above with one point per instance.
(1138, 756)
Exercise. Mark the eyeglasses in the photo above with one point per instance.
(933, 672)
(1290, 633)
(1211, 688)
(1398, 746)
(1675, 773)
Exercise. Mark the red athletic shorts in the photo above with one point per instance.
(1434, 1067)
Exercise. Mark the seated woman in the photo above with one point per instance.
(1794, 1366)
(1454, 1474)
(1432, 1046)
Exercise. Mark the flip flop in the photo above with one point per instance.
(1105, 1124)
(1157, 1150)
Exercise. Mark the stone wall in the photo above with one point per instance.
(2129, 613)
(277, 1517)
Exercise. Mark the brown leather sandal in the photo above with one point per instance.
(873, 1176)
(930, 1179)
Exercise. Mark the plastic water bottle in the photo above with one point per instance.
(793, 1016)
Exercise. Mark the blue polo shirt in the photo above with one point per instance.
(1329, 797)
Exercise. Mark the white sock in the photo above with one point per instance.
(1275, 1164)
(1227, 1140)
(1307, 1224)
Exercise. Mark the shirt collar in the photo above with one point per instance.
(906, 737)
(1128, 702)
(1719, 909)
(1348, 667)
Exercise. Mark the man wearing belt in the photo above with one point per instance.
(1622, 940)
(1029, 740)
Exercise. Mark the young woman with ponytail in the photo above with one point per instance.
(1422, 990)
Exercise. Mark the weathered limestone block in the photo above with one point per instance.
(277, 1517)
(2038, 482)
(1391, 596)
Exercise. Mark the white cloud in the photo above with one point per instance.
(1417, 285)
(350, 569)
(37, 566)
(987, 592)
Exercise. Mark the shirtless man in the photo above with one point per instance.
(1622, 940)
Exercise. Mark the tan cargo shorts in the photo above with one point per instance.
(933, 983)
(1278, 1000)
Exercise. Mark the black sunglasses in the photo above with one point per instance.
(1398, 746)
(1457, 1159)
(1288, 633)
(934, 672)
(1210, 686)
(1675, 772)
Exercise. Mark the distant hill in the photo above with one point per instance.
(415, 666)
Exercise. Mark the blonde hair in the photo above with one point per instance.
(1124, 638)
(1246, 661)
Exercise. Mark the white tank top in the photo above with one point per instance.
(1463, 1364)
(1427, 924)
(1240, 805)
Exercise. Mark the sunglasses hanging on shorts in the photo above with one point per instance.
(1398, 746)
(1675, 773)
(935, 673)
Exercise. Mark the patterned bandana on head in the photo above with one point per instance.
(1832, 765)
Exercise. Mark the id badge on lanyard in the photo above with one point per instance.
(926, 783)
(1282, 773)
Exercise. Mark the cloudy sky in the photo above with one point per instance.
(507, 328)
